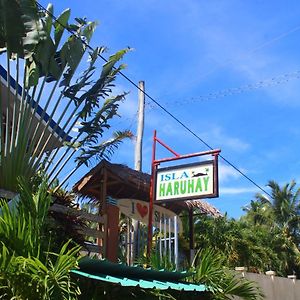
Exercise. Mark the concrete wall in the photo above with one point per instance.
(276, 288)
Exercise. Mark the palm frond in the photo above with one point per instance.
(49, 65)
(105, 149)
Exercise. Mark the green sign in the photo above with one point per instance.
(186, 182)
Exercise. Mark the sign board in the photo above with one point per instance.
(187, 182)
(139, 210)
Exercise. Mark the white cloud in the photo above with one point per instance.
(227, 173)
(238, 190)
(221, 139)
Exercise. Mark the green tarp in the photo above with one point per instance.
(135, 276)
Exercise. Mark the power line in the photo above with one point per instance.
(249, 53)
(157, 103)
(281, 79)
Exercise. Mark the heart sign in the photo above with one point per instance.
(142, 209)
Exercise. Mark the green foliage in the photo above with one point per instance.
(209, 268)
(265, 238)
(20, 27)
(94, 291)
(51, 51)
(280, 224)
(58, 223)
(154, 261)
(28, 268)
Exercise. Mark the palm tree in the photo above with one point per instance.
(258, 212)
(45, 64)
(285, 207)
(280, 215)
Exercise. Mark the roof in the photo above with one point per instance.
(124, 182)
(52, 126)
(135, 276)
(204, 207)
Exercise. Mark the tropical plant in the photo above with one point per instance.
(45, 64)
(156, 262)
(28, 267)
(281, 218)
(258, 212)
(209, 268)
(265, 238)
(285, 207)
(60, 222)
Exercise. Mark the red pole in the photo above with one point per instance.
(152, 188)
(185, 156)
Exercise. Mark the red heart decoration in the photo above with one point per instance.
(142, 209)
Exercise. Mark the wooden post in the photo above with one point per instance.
(102, 211)
(191, 231)
(112, 240)
(112, 223)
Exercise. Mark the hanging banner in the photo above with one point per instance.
(139, 210)
(187, 182)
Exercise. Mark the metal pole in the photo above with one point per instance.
(152, 191)
(191, 231)
(160, 238)
(216, 175)
(170, 241)
(178, 157)
(138, 156)
(175, 242)
(165, 236)
(140, 128)
(128, 242)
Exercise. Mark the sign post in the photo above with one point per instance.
(183, 182)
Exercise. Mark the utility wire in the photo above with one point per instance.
(281, 79)
(157, 103)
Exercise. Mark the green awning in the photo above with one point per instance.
(142, 283)
(135, 276)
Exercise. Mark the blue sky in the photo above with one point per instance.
(186, 50)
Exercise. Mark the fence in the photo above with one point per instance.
(276, 288)
(96, 246)
(133, 239)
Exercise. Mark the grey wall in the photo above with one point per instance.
(276, 288)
